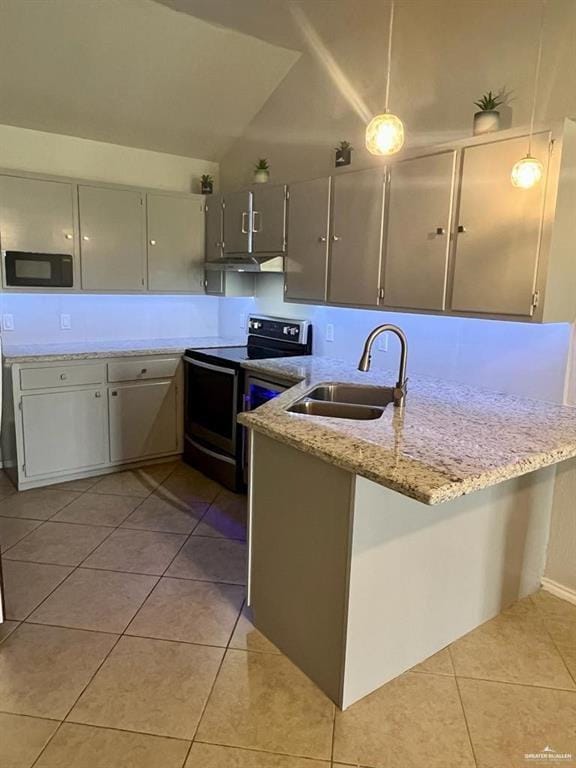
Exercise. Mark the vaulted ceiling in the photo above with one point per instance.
(136, 72)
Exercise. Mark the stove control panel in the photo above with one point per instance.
(279, 328)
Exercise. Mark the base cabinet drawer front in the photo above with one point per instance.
(134, 370)
(46, 376)
(64, 431)
(143, 420)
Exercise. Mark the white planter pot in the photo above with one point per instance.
(261, 177)
(486, 121)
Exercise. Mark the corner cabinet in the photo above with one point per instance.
(175, 231)
(75, 419)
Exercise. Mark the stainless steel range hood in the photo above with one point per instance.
(248, 263)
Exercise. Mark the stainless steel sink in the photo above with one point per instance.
(336, 410)
(356, 395)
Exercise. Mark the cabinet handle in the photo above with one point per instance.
(97, 394)
(255, 229)
(244, 222)
(63, 376)
(322, 239)
(440, 231)
(152, 242)
(461, 228)
(335, 238)
(85, 237)
(144, 370)
(68, 236)
(114, 393)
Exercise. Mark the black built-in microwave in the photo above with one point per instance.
(38, 270)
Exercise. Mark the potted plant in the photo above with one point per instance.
(207, 182)
(343, 154)
(261, 171)
(488, 118)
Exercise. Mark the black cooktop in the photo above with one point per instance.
(237, 355)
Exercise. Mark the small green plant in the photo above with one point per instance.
(344, 146)
(262, 165)
(206, 178)
(489, 102)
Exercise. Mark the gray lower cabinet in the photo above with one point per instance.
(498, 230)
(418, 232)
(175, 242)
(308, 224)
(356, 239)
(64, 431)
(112, 239)
(143, 420)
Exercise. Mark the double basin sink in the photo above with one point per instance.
(345, 401)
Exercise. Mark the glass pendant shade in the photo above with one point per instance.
(527, 172)
(384, 134)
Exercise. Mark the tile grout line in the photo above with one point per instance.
(209, 696)
(474, 758)
(543, 616)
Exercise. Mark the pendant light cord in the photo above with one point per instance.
(389, 64)
(537, 76)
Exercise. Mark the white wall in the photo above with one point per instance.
(107, 317)
(52, 153)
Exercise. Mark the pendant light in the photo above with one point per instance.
(528, 172)
(385, 132)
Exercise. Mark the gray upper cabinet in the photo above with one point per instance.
(269, 219)
(308, 224)
(418, 235)
(498, 230)
(175, 242)
(112, 239)
(237, 222)
(356, 239)
(214, 227)
(36, 215)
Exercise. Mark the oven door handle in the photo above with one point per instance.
(210, 367)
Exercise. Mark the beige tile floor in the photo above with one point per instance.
(128, 645)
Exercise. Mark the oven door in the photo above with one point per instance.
(39, 270)
(211, 404)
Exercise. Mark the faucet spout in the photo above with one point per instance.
(366, 358)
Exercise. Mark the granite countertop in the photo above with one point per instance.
(86, 350)
(449, 440)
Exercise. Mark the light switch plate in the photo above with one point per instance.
(66, 322)
(7, 322)
(329, 332)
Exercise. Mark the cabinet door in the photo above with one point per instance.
(269, 219)
(175, 243)
(499, 227)
(143, 420)
(64, 431)
(112, 242)
(307, 258)
(214, 227)
(36, 216)
(418, 237)
(356, 241)
(214, 282)
(237, 225)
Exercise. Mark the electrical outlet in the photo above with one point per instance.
(329, 332)
(7, 322)
(383, 342)
(65, 322)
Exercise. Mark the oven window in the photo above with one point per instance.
(211, 400)
(37, 270)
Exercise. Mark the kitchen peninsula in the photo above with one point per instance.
(376, 543)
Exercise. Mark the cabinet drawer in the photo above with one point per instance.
(48, 376)
(133, 370)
